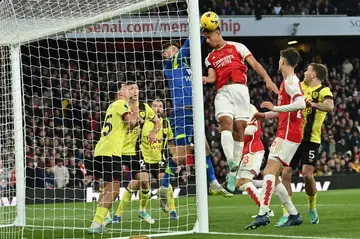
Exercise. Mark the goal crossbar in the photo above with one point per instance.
(19, 30)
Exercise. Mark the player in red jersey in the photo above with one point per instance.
(291, 102)
(253, 155)
(226, 68)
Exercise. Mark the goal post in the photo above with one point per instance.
(18, 134)
(61, 69)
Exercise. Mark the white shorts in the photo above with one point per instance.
(283, 151)
(250, 165)
(233, 101)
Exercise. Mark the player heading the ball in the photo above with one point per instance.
(226, 67)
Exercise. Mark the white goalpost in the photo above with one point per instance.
(61, 64)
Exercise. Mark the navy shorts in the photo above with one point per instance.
(182, 124)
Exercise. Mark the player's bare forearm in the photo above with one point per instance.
(258, 68)
(262, 72)
(326, 106)
(211, 78)
(157, 125)
(271, 115)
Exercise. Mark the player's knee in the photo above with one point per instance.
(226, 123)
(272, 167)
(145, 184)
(308, 175)
(286, 174)
(240, 182)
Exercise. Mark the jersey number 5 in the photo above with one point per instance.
(108, 125)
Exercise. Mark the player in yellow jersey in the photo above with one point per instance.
(108, 151)
(154, 157)
(319, 102)
(132, 156)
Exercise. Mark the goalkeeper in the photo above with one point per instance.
(178, 74)
(154, 157)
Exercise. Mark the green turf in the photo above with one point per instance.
(339, 218)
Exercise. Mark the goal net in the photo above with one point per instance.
(61, 64)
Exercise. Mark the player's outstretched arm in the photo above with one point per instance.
(185, 49)
(261, 71)
(297, 104)
(211, 78)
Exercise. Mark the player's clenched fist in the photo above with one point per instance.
(267, 105)
(205, 80)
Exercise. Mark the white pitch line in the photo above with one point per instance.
(270, 235)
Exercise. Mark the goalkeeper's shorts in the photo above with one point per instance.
(182, 124)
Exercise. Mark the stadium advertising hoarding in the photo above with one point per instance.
(41, 196)
(235, 26)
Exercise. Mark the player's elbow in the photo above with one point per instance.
(330, 107)
(302, 105)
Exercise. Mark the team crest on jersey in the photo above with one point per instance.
(230, 50)
(315, 95)
(142, 114)
(164, 131)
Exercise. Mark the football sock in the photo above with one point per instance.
(210, 169)
(283, 195)
(100, 214)
(266, 192)
(170, 170)
(125, 199)
(311, 201)
(252, 192)
(227, 143)
(144, 197)
(171, 199)
(238, 150)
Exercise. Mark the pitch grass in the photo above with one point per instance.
(339, 218)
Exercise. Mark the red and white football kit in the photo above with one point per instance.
(231, 100)
(289, 131)
(253, 152)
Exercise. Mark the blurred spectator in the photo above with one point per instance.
(347, 67)
(4, 175)
(49, 178)
(61, 174)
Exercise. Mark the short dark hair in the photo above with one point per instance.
(291, 55)
(320, 70)
(205, 30)
(130, 82)
(170, 43)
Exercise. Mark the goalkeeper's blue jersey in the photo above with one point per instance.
(178, 74)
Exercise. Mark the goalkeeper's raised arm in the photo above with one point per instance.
(178, 74)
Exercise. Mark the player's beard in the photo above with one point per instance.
(159, 114)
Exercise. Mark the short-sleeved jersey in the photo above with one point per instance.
(153, 153)
(313, 118)
(290, 123)
(113, 131)
(229, 63)
(132, 139)
(253, 143)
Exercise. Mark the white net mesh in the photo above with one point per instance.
(7, 157)
(69, 80)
